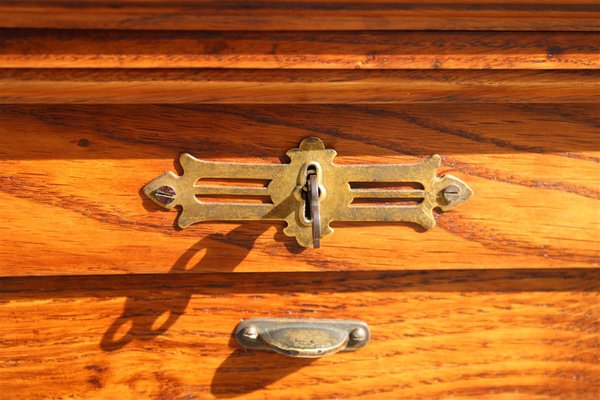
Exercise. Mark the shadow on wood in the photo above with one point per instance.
(252, 370)
(144, 319)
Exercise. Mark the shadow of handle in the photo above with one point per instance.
(244, 372)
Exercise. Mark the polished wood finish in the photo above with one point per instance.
(71, 179)
(101, 297)
(267, 15)
(507, 334)
(214, 86)
(298, 50)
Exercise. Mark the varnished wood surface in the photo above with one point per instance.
(529, 15)
(448, 318)
(71, 177)
(300, 50)
(230, 86)
(435, 335)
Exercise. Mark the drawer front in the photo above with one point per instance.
(471, 334)
(73, 173)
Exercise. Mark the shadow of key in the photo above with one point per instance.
(145, 317)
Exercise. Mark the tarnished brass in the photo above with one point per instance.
(287, 191)
(305, 338)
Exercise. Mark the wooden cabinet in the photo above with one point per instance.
(101, 296)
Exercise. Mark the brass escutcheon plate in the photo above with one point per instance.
(287, 182)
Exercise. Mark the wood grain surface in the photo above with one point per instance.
(102, 298)
(300, 50)
(247, 86)
(501, 334)
(71, 177)
(261, 15)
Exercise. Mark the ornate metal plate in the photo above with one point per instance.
(288, 184)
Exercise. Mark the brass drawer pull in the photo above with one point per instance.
(304, 338)
(310, 192)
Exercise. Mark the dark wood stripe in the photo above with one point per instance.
(23, 48)
(432, 123)
(505, 280)
(302, 15)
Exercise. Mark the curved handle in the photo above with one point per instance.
(305, 338)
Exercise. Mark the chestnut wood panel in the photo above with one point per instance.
(230, 86)
(71, 176)
(435, 334)
(317, 50)
(536, 15)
